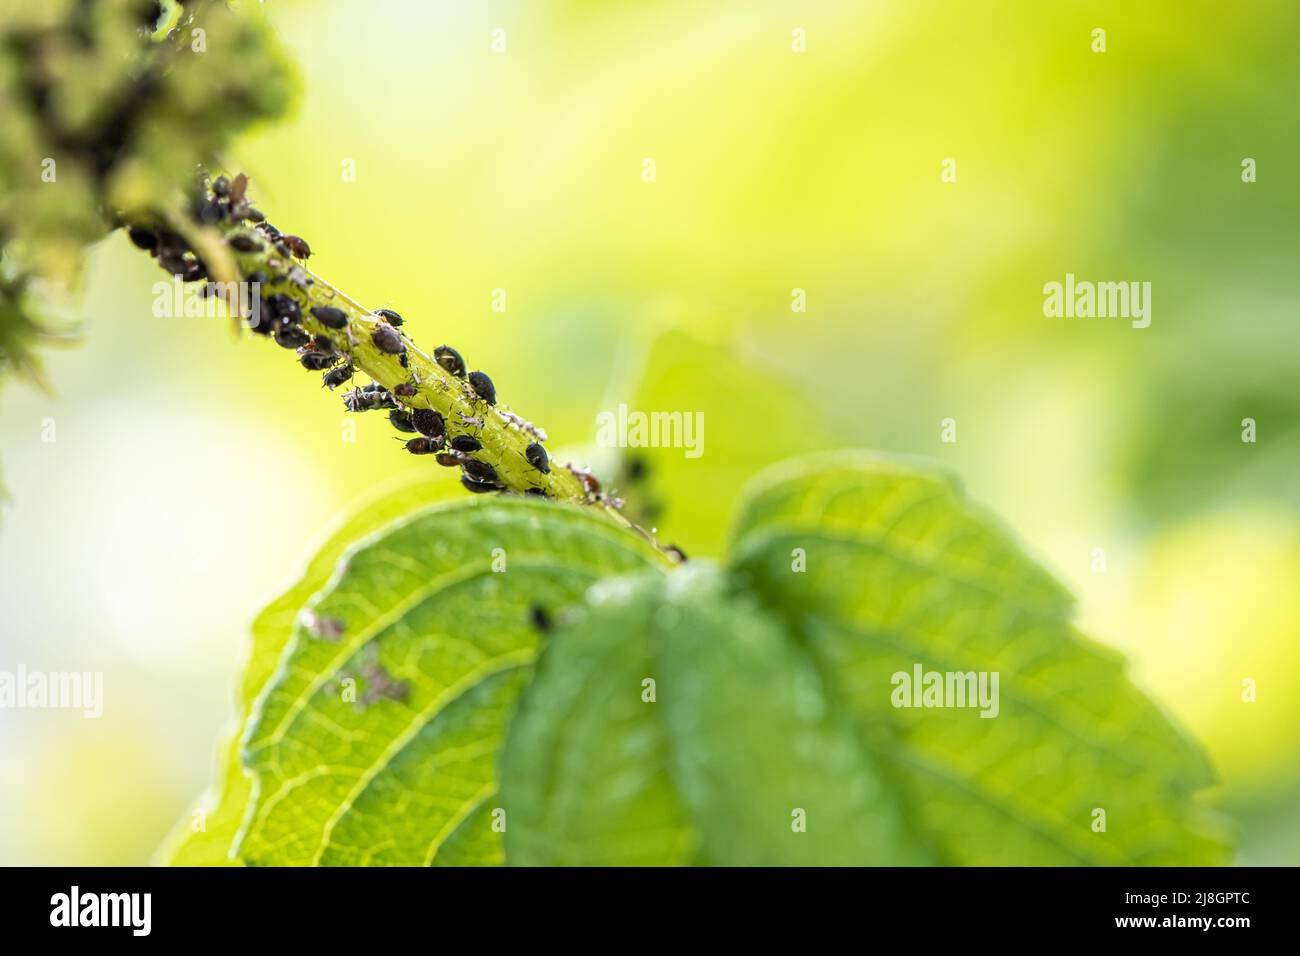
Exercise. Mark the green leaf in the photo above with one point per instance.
(224, 805)
(437, 638)
(733, 755)
(900, 570)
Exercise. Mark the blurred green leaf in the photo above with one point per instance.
(902, 570)
(438, 645)
(751, 412)
(223, 808)
(739, 758)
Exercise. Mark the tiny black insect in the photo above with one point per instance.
(296, 245)
(404, 389)
(478, 487)
(466, 443)
(448, 460)
(221, 186)
(450, 360)
(541, 620)
(392, 317)
(536, 456)
(337, 376)
(244, 243)
(329, 316)
(143, 238)
(291, 337)
(314, 361)
(285, 307)
(422, 446)
(258, 277)
(483, 387)
(363, 400)
(430, 423)
(387, 339)
(480, 470)
(539, 492)
(401, 421)
(212, 213)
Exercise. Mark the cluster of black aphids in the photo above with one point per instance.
(280, 317)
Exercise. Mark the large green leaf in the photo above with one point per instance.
(437, 638)
(223, 806)
(737, 757)
(899, 570)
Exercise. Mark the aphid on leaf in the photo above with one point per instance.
(142, 238)
(405, 389)
(387, 339)
(243, 243)
(450, 360)
(448, 460)
(478, 487)
(480, 470)
(422, 446)
(285, 307)
(291, 337)
(539, 492)
(470, 421)
(364, 400)
(466, 443)
(541, 620)
(483, 387)
(536, 456)
(221, 186)
(429, 422)
(337, 376)
(212, 213)
(238, 187)
(388, 314)
(296, 245)
(329, 316)
(401, 421)
(314, 361)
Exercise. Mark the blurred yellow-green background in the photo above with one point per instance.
(192, 474)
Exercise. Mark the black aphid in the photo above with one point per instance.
(143, 238)
(296, 245)
(291, 337)
(483, 387)
(387, 339)
(404, 389)
(212, 213)
(258, 277)
(337, 376)
(364, 400)
(478, 487)
(422, 446)
(392, 317)
(404, 360)
(244, 243)
(541, 620)
(448, 460)
(539, 492)
(314, 361)
(430, 423)
(450, 360)
(221, 186)
(285, 307)
(466, 443)
(479, 470)
(329, 316)
(401, 421)
(536, 456)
